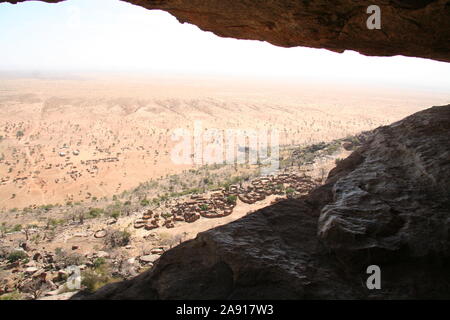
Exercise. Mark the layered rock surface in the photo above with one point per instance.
(398, 199)
(387, 204)
(419, 28)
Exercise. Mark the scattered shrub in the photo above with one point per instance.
(53, 223)
(232, 199)
(94, 279)
(117, 238)
(47, 207)
(15, 295)
(99, 262)
(290, 191)
(115, 214)
(68, 259)
(166, 215)
(95, 212)
(16, 228)
(17, 255)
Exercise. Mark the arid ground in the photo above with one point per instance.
(87, 176)
(79, 139)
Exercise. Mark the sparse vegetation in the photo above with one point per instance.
(15, 295)
(66, 259)
(47, 207)
(95, 212)
(290, 191)
(232, 199)
(17, 255)
(52, 223)
(88, 166)
(16, 228)
(117, 238)
(115, 214)
(97, 277)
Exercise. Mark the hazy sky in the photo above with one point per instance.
(110, 35)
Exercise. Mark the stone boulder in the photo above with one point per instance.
(396, 203)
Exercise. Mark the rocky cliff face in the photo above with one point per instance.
(387, 204)
(419, 28)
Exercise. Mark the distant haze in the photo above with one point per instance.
(114, 36)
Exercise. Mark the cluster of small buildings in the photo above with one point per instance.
(222, 202)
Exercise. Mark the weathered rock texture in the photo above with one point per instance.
(397, 201)
(387, 204)
(419, 28)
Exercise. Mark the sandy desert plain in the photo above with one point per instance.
(90, 137)
(87, 176)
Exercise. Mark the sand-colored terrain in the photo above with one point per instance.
(99, 150)
(93, 137)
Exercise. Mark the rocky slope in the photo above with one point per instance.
(419, 28)
(387, 204)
